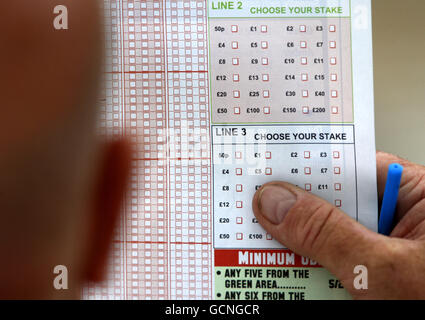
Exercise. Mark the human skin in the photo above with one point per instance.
(60, 186)
(314, 228)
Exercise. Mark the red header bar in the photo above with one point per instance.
(262, 258)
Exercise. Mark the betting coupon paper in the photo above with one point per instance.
(219, 98)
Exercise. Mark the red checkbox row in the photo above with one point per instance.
(263, 45)
(236, 61)
(267, 171)
(237, 94)
(333, 77)
(335, 154)
(239, 205)
(239, 236)
(239, 155)
(332, 61)
(304, 44)
(334, 110)
(237, 110)
(263, 28)
(307, 155)
(337, 187)
(235, 28)
(265, 77)
(305, 94)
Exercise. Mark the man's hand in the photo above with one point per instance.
(314, 228)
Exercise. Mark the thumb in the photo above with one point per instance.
(313, 228)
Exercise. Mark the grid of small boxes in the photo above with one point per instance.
(281, 70)
(240, 169)
(190, 213)
(110, 124)
(163, 247)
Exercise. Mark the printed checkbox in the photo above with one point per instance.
(335, 110)
(303, 44)
(236, 78)
(266, 94)
(305, 93)
(306, 110)
(264, 44)
(265, 61)
(334, 77)
(334, 93)
(307, 187)
(332, 28)
(234, 28)
(269, 236)
(235, 45)
(238, 171)
(307, 170)
(238, 155)
(263, 28)
(337, 170)
(268, 155)
(336, 155)
(239, 204)
(304, 61)
(266, 110)
(332, 44)
(338, 203)
(266, 77)
(239, 236)
(239, 188)
(303, 28)
(235, 61)
(304, 77)
(338, 187)
(239, 220)
(307, 155)
(236, 94)
(237, 110)
(333, 61)
(269, 171)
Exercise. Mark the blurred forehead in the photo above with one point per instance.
(46, 73)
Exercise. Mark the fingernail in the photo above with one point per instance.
(275, 202)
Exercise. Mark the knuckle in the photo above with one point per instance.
(421, 187)
(313, 230)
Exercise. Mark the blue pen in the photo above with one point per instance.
(389, 202)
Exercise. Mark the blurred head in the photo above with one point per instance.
(60, 186)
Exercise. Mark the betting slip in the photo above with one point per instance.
(219, 98)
